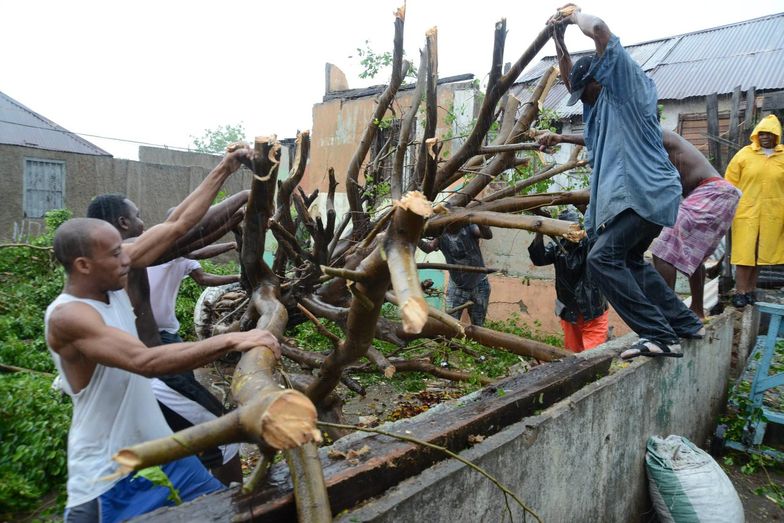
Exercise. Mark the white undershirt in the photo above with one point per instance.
(164, 286)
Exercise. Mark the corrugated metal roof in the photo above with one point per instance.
(715, 60)
(22, 126)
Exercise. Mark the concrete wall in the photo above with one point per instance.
(153, 187)
(583, 458)
(338, 125)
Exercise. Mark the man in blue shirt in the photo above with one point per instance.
(635, 190)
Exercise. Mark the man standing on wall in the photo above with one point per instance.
(635, 190)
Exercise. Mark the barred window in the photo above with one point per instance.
(44, 186)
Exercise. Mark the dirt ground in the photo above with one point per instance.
(757, 508)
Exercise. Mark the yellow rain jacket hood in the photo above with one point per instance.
(769, 124)
(758, 227)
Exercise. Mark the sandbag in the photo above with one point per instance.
(687, 485)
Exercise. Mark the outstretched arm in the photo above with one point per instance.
(548, 139)
(79, 335)
(157, 240)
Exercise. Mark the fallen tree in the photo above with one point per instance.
(346, 277)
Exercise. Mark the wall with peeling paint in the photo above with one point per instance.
(583, 458)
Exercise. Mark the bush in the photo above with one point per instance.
(34, 423)
(33, 419)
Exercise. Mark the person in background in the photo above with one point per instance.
(704, 217)
(183, 400)
(758, 228)
(579, 303)
(460, 246)
(165, 280)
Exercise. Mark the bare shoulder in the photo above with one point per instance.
(70, 322)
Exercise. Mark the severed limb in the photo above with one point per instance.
(281, 419)
(569, 230)
(381, 362)
(359, 217)
(400, 249)
(453, 267)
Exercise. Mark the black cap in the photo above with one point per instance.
(579, 77)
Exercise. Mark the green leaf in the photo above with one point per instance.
(158, 477)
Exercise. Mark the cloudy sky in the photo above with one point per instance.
(163, 71)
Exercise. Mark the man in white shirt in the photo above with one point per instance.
(165, 282)
(92, 337)
(183, 400)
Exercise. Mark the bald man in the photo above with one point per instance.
(91, 334)
(184, 401)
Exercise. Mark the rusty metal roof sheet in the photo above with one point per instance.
(715, 60)
(22, 126)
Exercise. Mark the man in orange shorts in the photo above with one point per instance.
(579, 303)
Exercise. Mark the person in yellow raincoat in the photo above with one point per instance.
(758, 228)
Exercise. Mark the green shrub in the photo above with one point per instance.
(33, 419)
(34, 423)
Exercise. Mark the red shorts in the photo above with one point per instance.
(585, 335)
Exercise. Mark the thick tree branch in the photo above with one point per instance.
(569, 230)
(400, 251)
(495, 90)
(359, 217)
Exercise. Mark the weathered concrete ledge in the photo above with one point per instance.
(582, 459)
(579, 458)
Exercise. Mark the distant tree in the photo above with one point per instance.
(215, 140)
(373, 63)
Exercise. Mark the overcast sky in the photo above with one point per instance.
(163, 71)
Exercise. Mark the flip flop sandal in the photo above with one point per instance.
(700, 334)
(652, 349)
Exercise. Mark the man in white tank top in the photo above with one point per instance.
(183, 400)
(91, 334)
